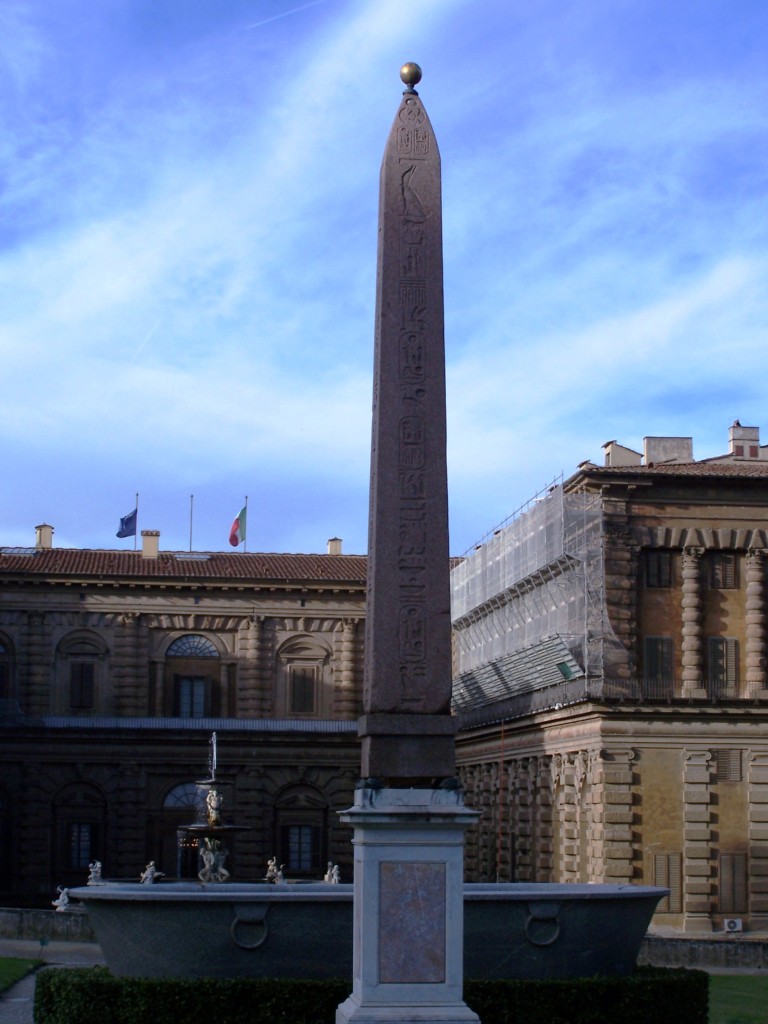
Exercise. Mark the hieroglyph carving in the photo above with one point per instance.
(413, 144)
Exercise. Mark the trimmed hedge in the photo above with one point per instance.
(92, 996)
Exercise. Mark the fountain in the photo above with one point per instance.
(209, 833)
(408, 839)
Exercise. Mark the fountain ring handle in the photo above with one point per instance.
(255, 916)
(549, 912)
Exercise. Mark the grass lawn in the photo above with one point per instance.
(738, 999)
(13, 969)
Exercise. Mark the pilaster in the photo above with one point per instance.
(754, 620)
(693, 644)
(697, 841)
(757, 767)
(613, 812)
(346, 692)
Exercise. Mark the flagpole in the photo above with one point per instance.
(191, 506)
(136, 531)
(245, 538)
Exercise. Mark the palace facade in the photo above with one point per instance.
(115, 669)
(612, 684)
(610, 680)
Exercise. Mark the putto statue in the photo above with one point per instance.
(274, 873)
(62, 900)
(150, 874)
(94, 873)
(213, 855)
(214, 800)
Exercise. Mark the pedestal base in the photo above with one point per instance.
(351, 1013)
(409, 908)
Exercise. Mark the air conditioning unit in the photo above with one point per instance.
(733, 924)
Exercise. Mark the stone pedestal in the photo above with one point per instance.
(408, 907)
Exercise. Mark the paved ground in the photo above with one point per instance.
(16, 1003)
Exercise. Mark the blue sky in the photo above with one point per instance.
(188, 203)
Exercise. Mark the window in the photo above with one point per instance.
(82, 678)
(659, 662)
(723, 656)
(80, 844)
(192, 646)
(191, 693)
(192, 678)
(728, 765)
(667, 872)
(185, 795)
(723, 575)
(658, 569)
(303, 677)
(732, 883)
(301, 689)
(301, 848)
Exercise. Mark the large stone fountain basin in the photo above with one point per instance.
(511, 930)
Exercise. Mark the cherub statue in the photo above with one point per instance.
(205, 874)
(94, 873)
(62, 900)
(335, 875)
(329, 872)
(272, 869)
(214, 800)
(150, 874)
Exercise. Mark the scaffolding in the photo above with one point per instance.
(532, 593)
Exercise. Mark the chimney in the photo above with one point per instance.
(667, 449)
(744, 442)
(150, 543)
(334, 546)
(619, 455)
(43, 537)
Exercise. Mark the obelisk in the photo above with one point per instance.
(409, 818)
(406, 729)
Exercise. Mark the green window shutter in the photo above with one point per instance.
(667, 872)
(659, 657)
(658, 569)
(723, 660)
(732, 883)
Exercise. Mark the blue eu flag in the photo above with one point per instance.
(128, 524)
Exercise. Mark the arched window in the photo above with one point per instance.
(81, 667)
(301, 823)
(183, 805)
(194, 676)
(79, 815)
(188, 794)
(192, 646)
(303, 678)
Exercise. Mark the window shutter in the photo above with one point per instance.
(723, 660)
(659, 657)
(723, 571)
(728, 765)
(301, 689)
(667, 872)
(733, 883)
(658, 569)
(81, 684)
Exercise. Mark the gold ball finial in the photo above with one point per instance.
(410, 75)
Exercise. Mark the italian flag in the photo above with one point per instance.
(237, 533)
